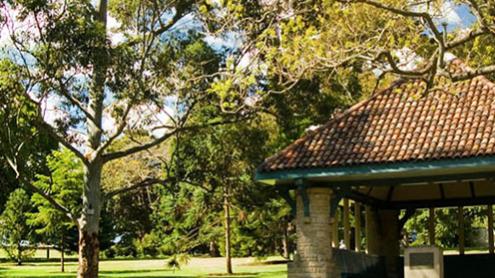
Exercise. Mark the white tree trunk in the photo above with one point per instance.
(89, 226)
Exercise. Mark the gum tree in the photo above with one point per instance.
(90, 73)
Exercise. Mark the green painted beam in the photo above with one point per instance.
(417, 170)
(391, 181)
(438, 203)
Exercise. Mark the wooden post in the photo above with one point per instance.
(431, 226)
(335, 230)
(490, 228)
(347, 225)
(357, 229)
(461, 230)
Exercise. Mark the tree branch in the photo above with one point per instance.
(470, 73)
(179, 14)
(425, 16)
(23, 181)
(144, 183)
(52, 201)
(119, 154)
(42, 125)
(483, 21)
(470, 36)
(50, 130)
(74, 101)
(118, 131)
(395, 68)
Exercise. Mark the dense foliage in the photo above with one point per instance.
(64, 184)
(15, 232)
(446, 227)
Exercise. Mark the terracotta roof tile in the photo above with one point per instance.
(398, 126)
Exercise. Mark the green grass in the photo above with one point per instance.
(197, 267)
(41, 254)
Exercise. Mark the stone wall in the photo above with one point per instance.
(358, 264)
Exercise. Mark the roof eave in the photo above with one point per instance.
(382, 171)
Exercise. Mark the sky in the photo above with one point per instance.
(455, 16)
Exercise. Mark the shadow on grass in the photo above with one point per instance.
(5, 273)
(144, 274)
(270, 262)
(140, 273)
(44, 264)
(274, 273)
(132, 271)
(134, 259)
(247, 274)
(238, 274)
(103, 275)
(40, 260)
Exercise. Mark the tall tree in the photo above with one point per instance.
(15, 231)
(64, 184)
(221, 160)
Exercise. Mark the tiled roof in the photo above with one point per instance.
(399, 125)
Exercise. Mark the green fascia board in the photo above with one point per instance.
(383, 170)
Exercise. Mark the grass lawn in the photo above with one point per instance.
(197, 267)
(41, 254)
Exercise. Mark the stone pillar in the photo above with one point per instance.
(314, 253)
(382, 237)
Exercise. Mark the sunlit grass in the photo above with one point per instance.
(197, 267)
(41, 254)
